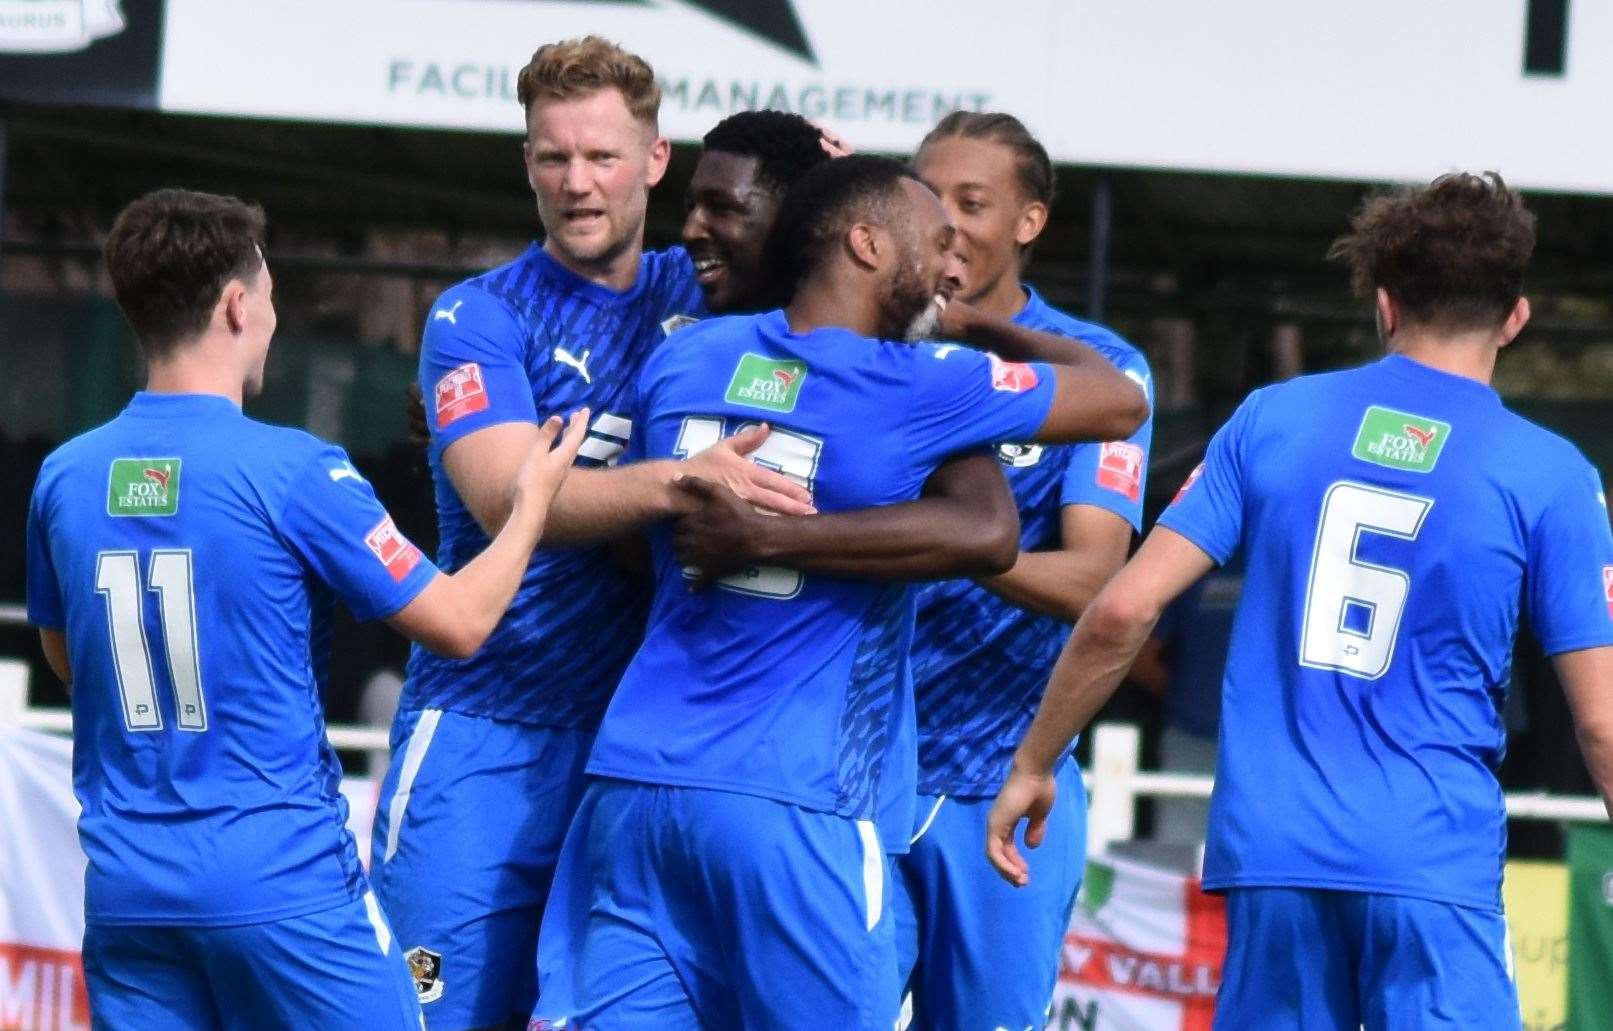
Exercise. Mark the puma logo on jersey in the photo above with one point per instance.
(565, 357)
(1422, 436)
(345, 471)
(447, 314)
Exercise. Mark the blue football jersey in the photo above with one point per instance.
(980, 662)
(776, 683)
(1391, 519)
(520, 343)
(189, 554)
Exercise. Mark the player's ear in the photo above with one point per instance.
(1516, 320)
(660, 155)
(232, 303)
(1032, 220)
(526, 163)
(866, 245)
(1388, 314)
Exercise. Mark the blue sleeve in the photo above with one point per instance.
(1208, 510)
(473, 371)
(1569, 582)
(45, 606)
(1114, 474)
(335, 524)
(963, 399)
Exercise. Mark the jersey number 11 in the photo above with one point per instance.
(117, 579)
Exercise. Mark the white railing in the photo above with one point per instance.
(1114, 783)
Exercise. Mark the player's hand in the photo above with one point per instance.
(726, 462)
(415, 412)
(958, 320)
(1024, 796)
(833, 143)
(547, 463)
(716, 536)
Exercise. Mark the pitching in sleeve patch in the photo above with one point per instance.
(460, 393)
(1187, 484)
(1120, 468)
(1013, 377)
(395, 551)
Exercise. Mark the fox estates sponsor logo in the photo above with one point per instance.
(143, 487)
(768, 383)
(1400, 440)
(56, 26)
(394, 550)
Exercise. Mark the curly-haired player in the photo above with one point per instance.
(1393, 519)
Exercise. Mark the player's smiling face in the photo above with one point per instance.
(729, 214)
(591, 164)
(926, 267)
(978, 182)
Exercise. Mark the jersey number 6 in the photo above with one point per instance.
(1353, 608)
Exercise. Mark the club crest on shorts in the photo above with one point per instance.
(1019, 456)
(425, 967)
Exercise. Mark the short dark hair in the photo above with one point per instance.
(825, 203)
(170, 254)
(1034, 167)
(1451, 254)
(785, 145)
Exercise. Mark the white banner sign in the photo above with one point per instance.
(1143, 952)
(1364, 89)
(42, 881)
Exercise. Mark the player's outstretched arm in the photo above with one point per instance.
(455, 613)
(1587, 677)
(1094, 661)
(1099, 402)
(964, 525)
(598, 505)
(1061, 582)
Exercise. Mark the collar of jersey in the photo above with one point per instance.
(146, 402)
(1416, 372)
(775, 325)
(1032, 315)
(558, 275)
